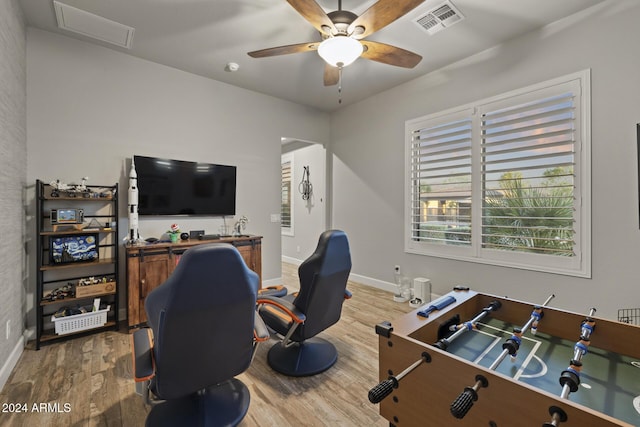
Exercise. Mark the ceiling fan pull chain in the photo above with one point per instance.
(339, 85)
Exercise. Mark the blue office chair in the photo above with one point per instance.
(301, 316)
(204, 330)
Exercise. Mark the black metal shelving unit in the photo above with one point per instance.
(57, 282)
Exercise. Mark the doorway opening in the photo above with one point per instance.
(304, 206)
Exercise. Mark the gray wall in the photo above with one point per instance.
(91, 109)
(368, 138)
(13, 163)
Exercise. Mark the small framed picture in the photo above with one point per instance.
(73, 248)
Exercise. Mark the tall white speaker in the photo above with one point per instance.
(422, 289)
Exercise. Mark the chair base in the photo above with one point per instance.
(225, 404)
(310, 357)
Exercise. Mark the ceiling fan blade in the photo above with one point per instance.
(312, 12)
(331, 75)
(381, 14)
(284, 50)
(388, 54)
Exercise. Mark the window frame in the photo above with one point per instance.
(578, 265)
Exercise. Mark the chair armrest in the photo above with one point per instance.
(143, 364)
(347, 294)
(296, 315)
(260, 331)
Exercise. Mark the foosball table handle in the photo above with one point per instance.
(382, 390)
(464, 402)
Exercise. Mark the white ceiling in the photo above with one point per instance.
(202, 36)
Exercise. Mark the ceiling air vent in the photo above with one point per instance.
(82, 22)
(439, 18)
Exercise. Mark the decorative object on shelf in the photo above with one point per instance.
(174, 232)
(305, 187)
(69, 311)
(91, 286)
(59, 188)
(73, 248)
(66, 216)
(240, 225)
(94, 225)
(65, 291)
(184, 236)
(134, 234)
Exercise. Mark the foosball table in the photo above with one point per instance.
(446, 364)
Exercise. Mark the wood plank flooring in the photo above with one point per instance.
(87, 382)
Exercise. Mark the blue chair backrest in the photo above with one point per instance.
(202, 319)
(323, 280)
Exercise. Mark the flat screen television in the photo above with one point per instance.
(177, 187)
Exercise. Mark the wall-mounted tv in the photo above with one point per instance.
(177, 187)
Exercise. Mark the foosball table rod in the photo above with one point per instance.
(460, 329)
(512, 345)
(570, 377)
(465, 400)
(383, 389)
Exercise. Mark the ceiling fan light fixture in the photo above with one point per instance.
(340, 51)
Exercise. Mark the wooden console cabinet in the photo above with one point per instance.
(148, 266)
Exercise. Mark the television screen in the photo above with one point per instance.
(73, 248)
(176, 187)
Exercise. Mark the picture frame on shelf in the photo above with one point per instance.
(73, 248)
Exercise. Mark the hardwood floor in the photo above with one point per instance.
(87, 381)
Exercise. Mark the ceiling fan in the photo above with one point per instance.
(343, 33)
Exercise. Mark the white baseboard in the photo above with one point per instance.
(11, 362)
(358, 278)
(290, 260)
(272, 282)
(379, 284)
(374, 283)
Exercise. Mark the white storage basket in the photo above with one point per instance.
(80, 322)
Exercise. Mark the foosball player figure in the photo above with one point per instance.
(537, 315)
(587, 328)
(513, 344)
(468, 325)
(570, 378)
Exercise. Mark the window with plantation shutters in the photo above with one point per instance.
(440, 173)
(286, 208)
(528, 179)
(505, 181)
